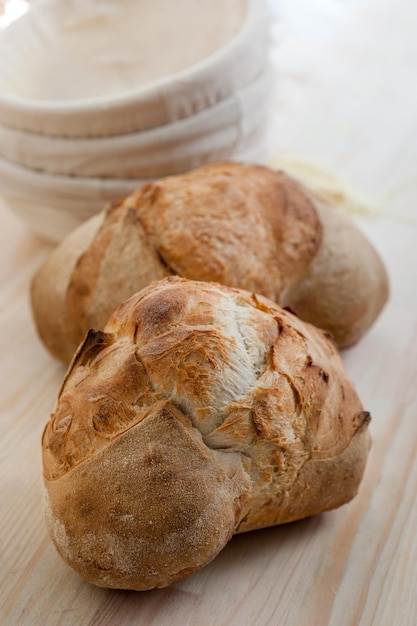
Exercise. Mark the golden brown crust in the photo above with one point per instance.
(135, 515)
(242, 225)
(345, 286)
(49, 291)
(118, 259)
(219, 397)
(229, 223)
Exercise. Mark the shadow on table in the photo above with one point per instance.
(232, 575)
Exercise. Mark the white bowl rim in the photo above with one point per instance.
(53, 220)
(146, 93)
(50, 184)
(229, 113)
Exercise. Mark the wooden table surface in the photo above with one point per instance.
(346, 101)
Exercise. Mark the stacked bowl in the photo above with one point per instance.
(97, 98)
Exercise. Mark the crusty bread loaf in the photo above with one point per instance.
(199, 412)
(242, 225)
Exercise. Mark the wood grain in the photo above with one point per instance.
(353, 566)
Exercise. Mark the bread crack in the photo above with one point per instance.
(156, 248)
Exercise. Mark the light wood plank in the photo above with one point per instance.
(350, 106)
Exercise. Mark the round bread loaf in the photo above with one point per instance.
(199, 412)
(241, 225)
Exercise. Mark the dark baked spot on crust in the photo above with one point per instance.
(321, 372)
(94, 343)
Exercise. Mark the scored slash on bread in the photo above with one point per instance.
(199, 411)
(238, 224)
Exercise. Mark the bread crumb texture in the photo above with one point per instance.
(198, 412)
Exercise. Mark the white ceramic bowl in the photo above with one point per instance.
(214, 133)
(197, 55)
(54, 205)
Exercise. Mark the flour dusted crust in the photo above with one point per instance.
(242, 225)
(198, 412)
